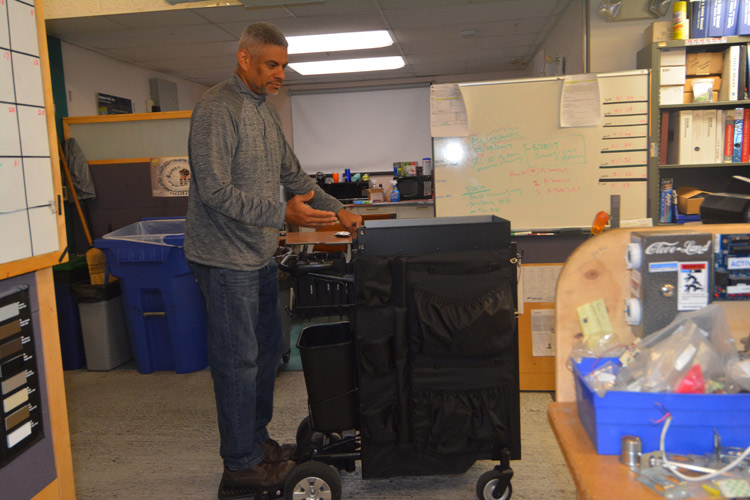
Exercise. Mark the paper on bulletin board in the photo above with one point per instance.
(539, 283)
(170, 176)
(448, 116)
(543, 332)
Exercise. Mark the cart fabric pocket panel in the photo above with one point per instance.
(453, 320)
(462, 406)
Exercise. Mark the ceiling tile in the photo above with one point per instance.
(61, 27)
(199, 44)
(239, 13)
(295, 26)
(333, 7)
(161, 19)
(156, 52)
(152, 36)
(456, 14)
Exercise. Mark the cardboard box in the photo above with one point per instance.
(673, 57)
(689, 200)
(672, 75)
(671, 94)
(687, 97)
(375, 194)
(659, 31)
(715, 78)
(704, 63)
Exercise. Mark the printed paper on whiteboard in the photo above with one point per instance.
(448, 116)
(580, 104)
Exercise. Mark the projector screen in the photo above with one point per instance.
(364, 131)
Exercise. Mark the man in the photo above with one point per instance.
(238, 159)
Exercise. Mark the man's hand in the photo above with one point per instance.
(297, 212)
(350, 220)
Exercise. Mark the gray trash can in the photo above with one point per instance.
(105, 334)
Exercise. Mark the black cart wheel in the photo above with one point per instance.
(487, 484)
(313, 481)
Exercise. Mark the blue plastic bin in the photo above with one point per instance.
(163, 304)
(694, 417)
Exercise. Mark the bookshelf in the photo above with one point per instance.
(712, 177)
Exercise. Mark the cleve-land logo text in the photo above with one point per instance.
(689, 247)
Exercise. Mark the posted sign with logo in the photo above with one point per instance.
(170, 176)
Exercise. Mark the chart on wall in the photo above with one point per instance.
(519, 162)
(28, 217)
(19, 377)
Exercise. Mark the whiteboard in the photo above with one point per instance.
(28, 215)
(519, 164)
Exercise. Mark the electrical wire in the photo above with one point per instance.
(673, 466)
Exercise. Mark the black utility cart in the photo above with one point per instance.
(423, 378)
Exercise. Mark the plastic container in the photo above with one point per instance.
(694, 417)
(68, 318)
(395, 194)
(680, 27)
(163, 304)
(105, 334)
(327, 355)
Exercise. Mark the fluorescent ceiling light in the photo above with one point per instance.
(333, 42)
(348, 65)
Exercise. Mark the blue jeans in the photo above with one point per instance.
(245, 343)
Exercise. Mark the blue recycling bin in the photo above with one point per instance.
(68, 319)
(163, 305)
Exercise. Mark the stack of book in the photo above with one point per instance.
(705, 136)
(717, 18)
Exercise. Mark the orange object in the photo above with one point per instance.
(335, 176)
(600, 222)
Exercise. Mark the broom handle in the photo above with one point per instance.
(72, 191)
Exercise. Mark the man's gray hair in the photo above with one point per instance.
(260, 34)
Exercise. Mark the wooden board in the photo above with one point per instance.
(597, 477)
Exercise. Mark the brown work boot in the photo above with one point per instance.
(262, 476)
(274, 452)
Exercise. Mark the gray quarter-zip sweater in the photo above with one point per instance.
(238, 159)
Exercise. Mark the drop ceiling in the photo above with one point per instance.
(437, 38)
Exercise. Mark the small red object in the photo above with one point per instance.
(692, 382)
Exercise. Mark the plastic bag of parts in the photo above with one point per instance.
(599, 345)
(696, 349)
(601, 379)
(609, 10)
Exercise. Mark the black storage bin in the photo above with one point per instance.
(322, 283)
(327, 354)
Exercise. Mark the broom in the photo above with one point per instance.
(95, 258)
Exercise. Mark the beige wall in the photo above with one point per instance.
(614, 45)
(115, 78)
(566, 40)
